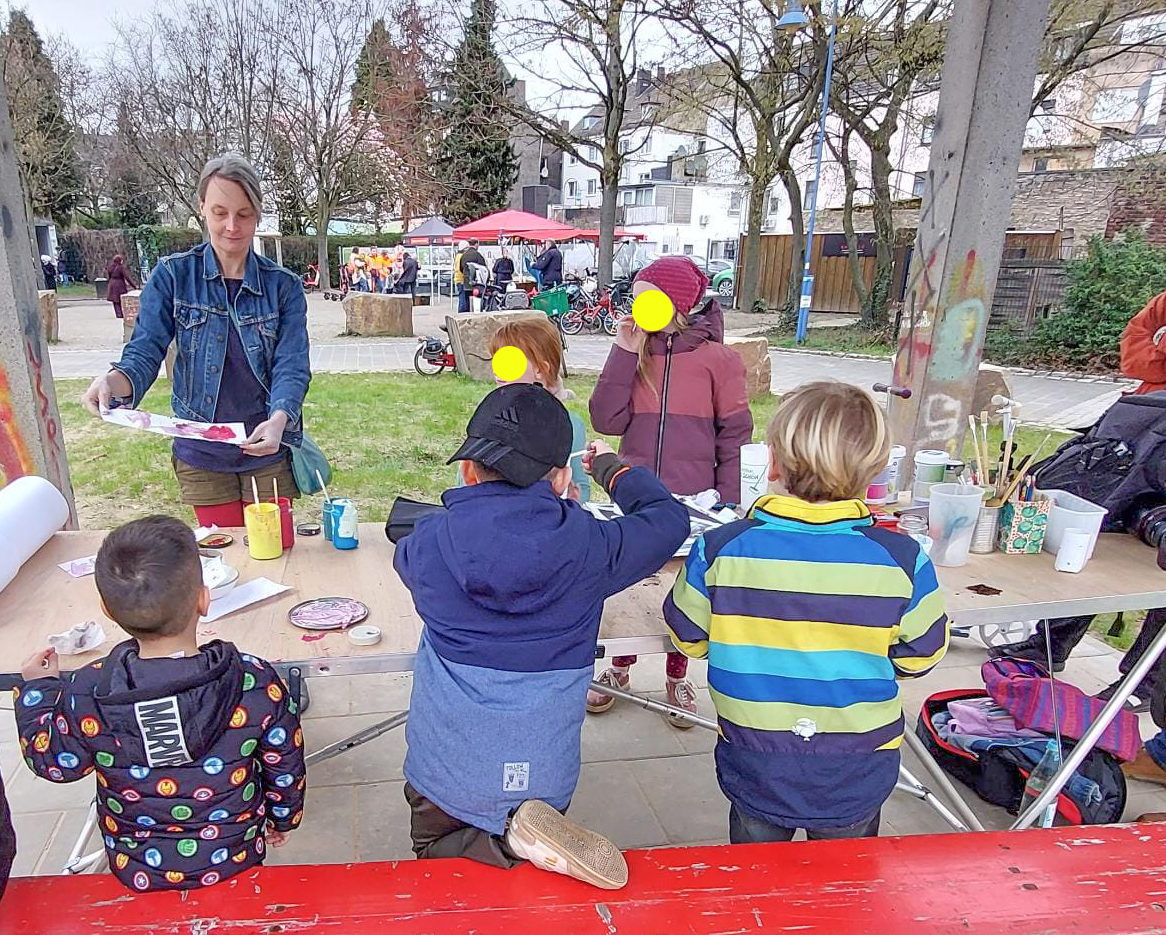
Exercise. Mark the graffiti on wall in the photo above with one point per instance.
(15, 457)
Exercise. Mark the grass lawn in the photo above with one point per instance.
(84, 290)
(846, 339)
(385, 434)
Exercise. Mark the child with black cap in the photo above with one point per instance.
(510, 581)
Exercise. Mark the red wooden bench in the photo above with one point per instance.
(1096, 880)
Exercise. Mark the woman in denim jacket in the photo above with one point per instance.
(239, 325)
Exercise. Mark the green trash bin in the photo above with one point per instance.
(553, 302)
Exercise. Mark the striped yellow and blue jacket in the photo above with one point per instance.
(807, 614)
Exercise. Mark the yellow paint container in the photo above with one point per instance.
(264, 536)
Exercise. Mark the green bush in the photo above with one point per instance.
(1107, 288)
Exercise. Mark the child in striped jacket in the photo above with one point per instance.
(808, 613)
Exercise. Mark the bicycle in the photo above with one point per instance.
(434, 355)
(596, 317)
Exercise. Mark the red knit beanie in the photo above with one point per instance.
(678, 278)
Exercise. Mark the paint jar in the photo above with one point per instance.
(953, 471)
(264, 538)
(929, 468)
(286, 525)
(895, 473)
(955, 509)
(754, 474)
(346, 529)
(913, 525)
(877, 491)
(328, 519)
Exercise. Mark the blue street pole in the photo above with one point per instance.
(807, 277)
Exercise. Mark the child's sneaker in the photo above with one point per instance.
(681, 694)
(597, 702)
(550, 841)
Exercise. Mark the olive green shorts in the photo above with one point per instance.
(210, 488)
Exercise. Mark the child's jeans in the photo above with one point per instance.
(745, 829)
(437, 834)
(677, 664)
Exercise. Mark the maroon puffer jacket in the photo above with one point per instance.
(689, 424)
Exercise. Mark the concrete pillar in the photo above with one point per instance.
(988, 75)
(32, 440)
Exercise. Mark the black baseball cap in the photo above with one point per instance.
(519, 430)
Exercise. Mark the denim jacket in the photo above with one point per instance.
(185, 301)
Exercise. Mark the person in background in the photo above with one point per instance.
(808, 613)
(120, 282)
(377, 271)
(1143, 357)
(459, 278)
(239, 325)
(407, 281)
(678, 399)
(49, 269)
(550, 265)
(503, 270)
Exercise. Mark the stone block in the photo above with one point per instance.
(470, 336)
(758, 370)
(370, 314)
(47, 300)
(992, 381)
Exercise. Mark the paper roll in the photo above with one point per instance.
(31, 510)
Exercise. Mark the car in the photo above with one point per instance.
(723, 283)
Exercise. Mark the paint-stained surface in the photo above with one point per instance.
(15, 458)
(1102, 880)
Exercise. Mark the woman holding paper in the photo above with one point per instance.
(239, 325)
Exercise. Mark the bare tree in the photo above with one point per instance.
(758, 92)
(333, 145)
(196, 81)
(589, 53)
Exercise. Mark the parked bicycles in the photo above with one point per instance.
(434, 355)
(595, 317)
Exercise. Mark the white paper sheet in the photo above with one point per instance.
(31, 510)
(228, 433)
(243, 595)
(80, 567)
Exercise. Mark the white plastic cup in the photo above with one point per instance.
(754, 473)
(955, 508)
(1074, 550)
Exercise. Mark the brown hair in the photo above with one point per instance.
(829, 441)
(150, 577)
(538, 339)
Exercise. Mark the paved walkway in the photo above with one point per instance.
(91, 338)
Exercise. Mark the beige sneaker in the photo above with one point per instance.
(681, 694)
(597, 702)
(550, 841)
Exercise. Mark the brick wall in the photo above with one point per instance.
(1140, 201)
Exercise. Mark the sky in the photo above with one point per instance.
(88, 24)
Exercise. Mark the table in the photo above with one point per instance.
(1105, 881)
(1122, 575)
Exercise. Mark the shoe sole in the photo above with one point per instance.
(599, 709)
(678, 723)
(589, 856)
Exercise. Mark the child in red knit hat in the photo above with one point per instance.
(677, 398)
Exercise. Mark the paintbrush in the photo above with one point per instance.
(254, 490)
(1003, 498)
(320, 478)
(976, 447)
(275, 490)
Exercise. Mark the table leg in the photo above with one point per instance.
(372, 732)
(1096, 729)
(941, 779)
(913, 786)
(651, 705)
(76, 863)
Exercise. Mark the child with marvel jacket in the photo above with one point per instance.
(678, 399)
(197, 751)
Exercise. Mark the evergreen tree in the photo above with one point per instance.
(475, 159)
(44, 138)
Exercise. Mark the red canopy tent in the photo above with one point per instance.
(526, 226)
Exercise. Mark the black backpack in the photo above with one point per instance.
(1118, 463)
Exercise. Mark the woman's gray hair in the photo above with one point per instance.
(233, 168)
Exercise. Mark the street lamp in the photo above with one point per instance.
(807, 278)
(794, 18)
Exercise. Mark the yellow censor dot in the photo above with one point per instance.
(653, 310)
(509, 363)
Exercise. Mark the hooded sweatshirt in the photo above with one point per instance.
(192, 755)
(689, 420)
(510, 584)
(1143, 348)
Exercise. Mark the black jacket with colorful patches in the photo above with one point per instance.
(192, 756)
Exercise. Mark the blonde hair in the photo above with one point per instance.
(643, 368)
(539, 340)
(829, 441)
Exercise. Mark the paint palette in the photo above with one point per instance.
(327, 613)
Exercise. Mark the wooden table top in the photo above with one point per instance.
(1122, 575)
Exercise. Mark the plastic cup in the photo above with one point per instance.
(877, 491)
(754, 474)
(895, 473)
(955, 509)
(264, 537)
(286, 524)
